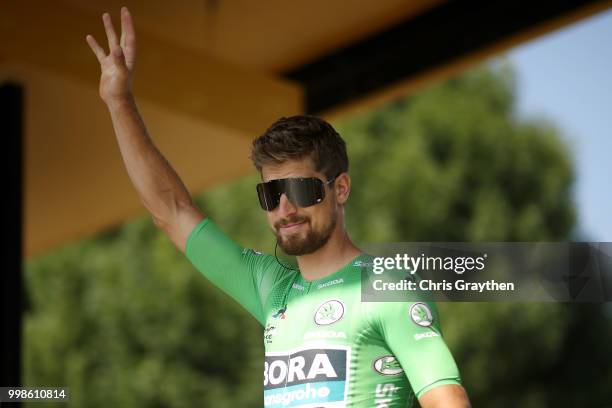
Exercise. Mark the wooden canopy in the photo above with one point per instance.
(214, 74)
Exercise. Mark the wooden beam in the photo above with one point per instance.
(431, 47)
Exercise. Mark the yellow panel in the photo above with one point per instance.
(267, 36)
(51, 35)
(75, 180)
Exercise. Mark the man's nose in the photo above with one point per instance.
(285, 206)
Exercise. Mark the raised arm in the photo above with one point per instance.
(160, 189)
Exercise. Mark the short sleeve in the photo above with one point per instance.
(412, 332)
(246, 275)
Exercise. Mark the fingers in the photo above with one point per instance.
(122, 40)
(128, 38)
(117, 55)
(99, 51)
(110, 31)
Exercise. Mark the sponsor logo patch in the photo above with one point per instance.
(329, 312)
(387, 365)
(420, 336)
(306, 377)
(280, 313)
(268, 333)
(330, 283)
(421, 315)
(363, 264)
(245, 250)
(384, 395)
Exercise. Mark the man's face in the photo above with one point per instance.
(301, 231)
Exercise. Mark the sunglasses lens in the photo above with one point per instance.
(268, 194)
(302, 192)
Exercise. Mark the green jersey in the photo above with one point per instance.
(324, 347)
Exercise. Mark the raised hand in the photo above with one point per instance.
(118, 66)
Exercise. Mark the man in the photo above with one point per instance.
(324, 347)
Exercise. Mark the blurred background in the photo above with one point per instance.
(463, 122)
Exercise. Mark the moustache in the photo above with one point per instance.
(283, 223)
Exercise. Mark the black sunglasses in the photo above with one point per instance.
(301, 191)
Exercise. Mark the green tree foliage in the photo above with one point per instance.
(455, 164)
(123, 319)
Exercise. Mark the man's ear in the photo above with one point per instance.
(342, 187)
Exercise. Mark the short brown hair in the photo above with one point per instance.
(300, 136)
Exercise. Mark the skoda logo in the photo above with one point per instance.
(329, 312)
(387, 365)
(421, 315)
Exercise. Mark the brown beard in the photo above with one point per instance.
(296, 245)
